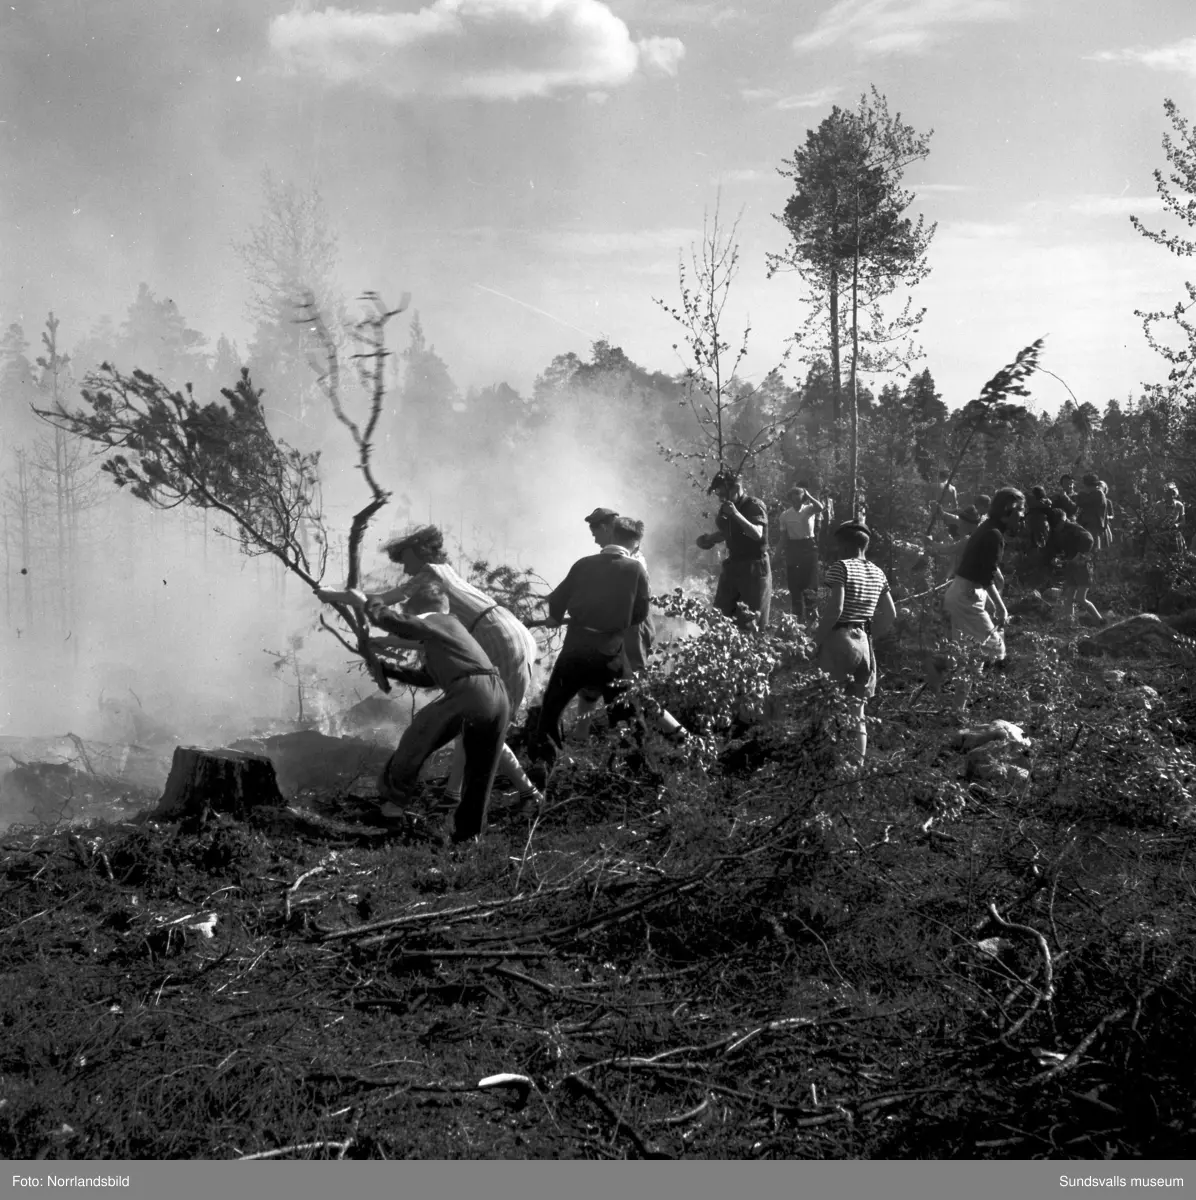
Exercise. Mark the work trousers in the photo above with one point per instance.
(577, 668)
(475, 707)
(747, 581)
(801, 570)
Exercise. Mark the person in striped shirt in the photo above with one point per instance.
(859, 594)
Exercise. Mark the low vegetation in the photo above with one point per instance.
(740, 951)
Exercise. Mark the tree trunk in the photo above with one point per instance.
(23, 499)
(225, 781)
(836, 368)
(7, 578)
(854, 465)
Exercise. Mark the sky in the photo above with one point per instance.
(531, 170)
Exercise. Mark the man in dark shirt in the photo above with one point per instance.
(746, 576)
(473, 703)
(603, 596)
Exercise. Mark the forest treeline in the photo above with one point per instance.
(850, 412)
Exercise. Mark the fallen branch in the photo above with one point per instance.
(577, 1084)
(295, 887)
(477, 912)
(1108, 1019)
(341, 1147)
(1047, 991)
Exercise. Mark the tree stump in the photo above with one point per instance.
(223, 781)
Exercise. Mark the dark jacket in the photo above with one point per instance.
(739, 545)
(603, 595)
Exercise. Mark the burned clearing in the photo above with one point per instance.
(758, 958)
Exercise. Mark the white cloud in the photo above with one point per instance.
(818, 99)
(1091, 205)
(661, 54)
(778, 100)
(486, 49)
(1115, 206)
(707, 13)
(898, 26)
(1180, 56)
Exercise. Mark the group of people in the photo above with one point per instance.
(481, 657)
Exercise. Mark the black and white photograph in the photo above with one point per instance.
(595, 582)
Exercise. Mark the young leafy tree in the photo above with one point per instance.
(1177, 190)
(850, 241)
(714, 392)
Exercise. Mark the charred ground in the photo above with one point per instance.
(751, 956)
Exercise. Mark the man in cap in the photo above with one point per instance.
(746, 576)
(600, 522)
(801, 546)
(603, 596)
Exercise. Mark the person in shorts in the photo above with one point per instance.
(976, 583)
(859, 594)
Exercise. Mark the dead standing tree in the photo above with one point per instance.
(370, 334)
(170, 451)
